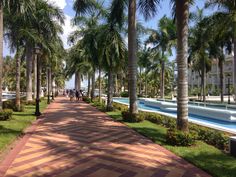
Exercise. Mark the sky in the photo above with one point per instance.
(66, 6)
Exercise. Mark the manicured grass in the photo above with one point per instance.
(204, 156)
(11, 129)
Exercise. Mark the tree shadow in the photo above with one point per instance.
(78, 133)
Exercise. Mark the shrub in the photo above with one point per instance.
(214, 137)
(6, 114)
(10, 104)
(128, 117)
(120, 107)
(100, 106)
(22, 108)
(179, 138)
(32, 102)
(87, 99)
(124, 94)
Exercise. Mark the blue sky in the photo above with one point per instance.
(66, 5)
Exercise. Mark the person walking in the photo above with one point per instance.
(77, 95)
(71, 95)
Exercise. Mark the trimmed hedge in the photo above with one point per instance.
(10, 104)
(213, 137)
(86, 99)
(6, 114)
(179, 138)
(124, 94)
(128, 117)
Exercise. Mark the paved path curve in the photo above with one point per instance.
(76, 140)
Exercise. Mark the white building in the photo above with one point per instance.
(213, 76)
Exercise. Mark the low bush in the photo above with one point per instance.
(10, 104)
(216, 138)
(128, 117)
(124, 94)
(120, 107)
(179, 138)
(87, 99)
(99, 105)
(213, 137)
(32, 103)
(6, 114)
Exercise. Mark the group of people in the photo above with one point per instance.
(77, 94)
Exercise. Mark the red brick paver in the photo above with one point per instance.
(76, 140)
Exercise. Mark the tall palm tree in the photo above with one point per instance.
(144, 62)
(10, 6)
(182, 16)
(148, 8)
(221, 41)
(43, 25)
(163, 40)
(228, 11)
(14, 25)
(200, 36)
(112, 52)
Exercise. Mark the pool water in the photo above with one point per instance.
(205, 121)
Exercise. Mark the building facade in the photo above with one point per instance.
(213, 76)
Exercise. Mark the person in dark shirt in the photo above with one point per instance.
(77, 95)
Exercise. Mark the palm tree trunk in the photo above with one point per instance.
(35, 76)
(110, 90)
(182, 15)
(93, 86)
(234, 84)
(1, 52)
(203, 82)
(132, 61)
(100, 84)
(88, 85)
(221, 81)
(146, 91)
(162, 79)
(48, 85)
(18, 63)
(40, 78)
(29, 73)
(50, 81)
(79, 80)
(76, 81)
(140, 80)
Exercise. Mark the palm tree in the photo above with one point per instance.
(163, 40)
(182, 16)
(117, 15)
(221, 40)
(200, 36)
(112, 52)
(41, 27)
(10, 6)
(144, 62)
(227, 9)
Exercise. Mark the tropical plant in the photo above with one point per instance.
(163, 40)
(226, 12)
(200, 36)
(182, 17)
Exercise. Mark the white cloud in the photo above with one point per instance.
(68, 28)
(60, 3)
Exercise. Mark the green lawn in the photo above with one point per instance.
(206, 157)
(11, 129)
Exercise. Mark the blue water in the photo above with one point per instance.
(205, 120)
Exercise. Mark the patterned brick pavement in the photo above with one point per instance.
(76, 140)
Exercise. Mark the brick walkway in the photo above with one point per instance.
(76, 140)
